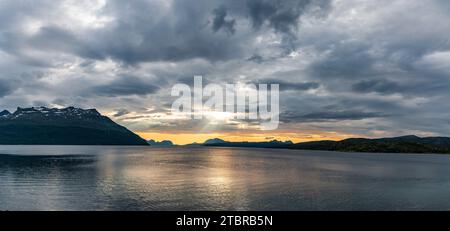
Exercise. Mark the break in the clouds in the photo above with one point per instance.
(369, 68)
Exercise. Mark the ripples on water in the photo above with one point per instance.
(181, 178)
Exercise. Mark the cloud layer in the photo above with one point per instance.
(369, 68)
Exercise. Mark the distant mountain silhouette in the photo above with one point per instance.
(269, 144)
(195, 144)
(67, 126)
(215, 141)
(402, 144)
(164, 143)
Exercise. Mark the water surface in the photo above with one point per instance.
(182, 178)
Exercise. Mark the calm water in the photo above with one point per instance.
(179, 178)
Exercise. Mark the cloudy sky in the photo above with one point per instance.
(345, 67)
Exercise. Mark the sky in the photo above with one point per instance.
(346, 68)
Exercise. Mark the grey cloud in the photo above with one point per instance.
(283, 16)
(125, 85)
(121, 112)
(346, 60)
(378, 85)
(295, 116)
(5, 88)
(138, 36)
(256, 58)
(414, 87)
(138, 33)
(294, 86)
(59, 101)
(220, 21)
(384, 49)
(8, 87)
(38, 103)
(180, 34)
(189, 80)
(59, 39)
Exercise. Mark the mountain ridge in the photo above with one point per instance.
(264, 144)
(163, 143)
(65, 126)
(401, 144)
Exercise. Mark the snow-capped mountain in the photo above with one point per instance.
(4, 114)
(51, 112)
(42, 125)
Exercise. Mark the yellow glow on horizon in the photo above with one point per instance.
(187, 138)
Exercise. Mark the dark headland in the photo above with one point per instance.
(402, 144)
(67, 126)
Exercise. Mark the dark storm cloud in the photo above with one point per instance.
(138, 35)
(121, 112)
(346, 60)
(295, 116)
(410, 88)
(283, 16)
(385, 68)
(256, 58)
(189, 80)
(220, 21)
(141, 32)
(378, 85)
(125, 85)
(291, 86)
(57, 39)
(60, 39)
(6, 88)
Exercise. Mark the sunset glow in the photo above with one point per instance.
(188, 138)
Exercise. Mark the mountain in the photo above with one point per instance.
(215, 141)
(210, 142)
(195, 144)
(270, 144)
(4, 114)
(164, 143)
(402, 144)
(67, 126)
